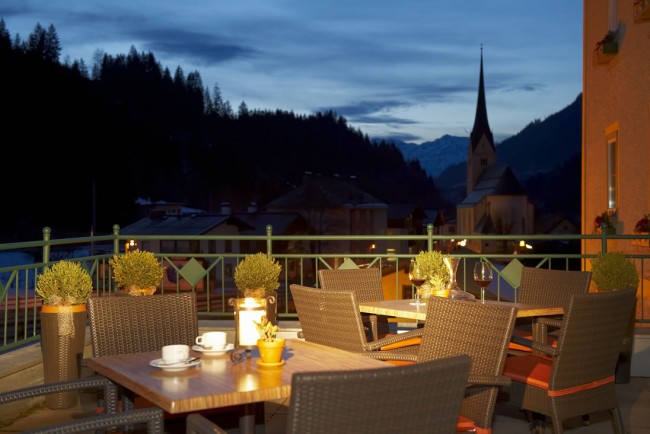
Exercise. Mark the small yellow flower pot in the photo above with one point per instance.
(271, 352)
(442, 293)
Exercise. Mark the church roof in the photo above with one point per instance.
(495, 180)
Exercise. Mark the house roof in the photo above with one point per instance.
(326, 192)
(199, 224)
(184, 224)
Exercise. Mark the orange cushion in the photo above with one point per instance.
(402, 344)
(536, 371)
(466, 424)
(529, 369)
(400, 362)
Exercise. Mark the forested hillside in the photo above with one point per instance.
(81, 146)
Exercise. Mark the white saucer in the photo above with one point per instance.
(211, 351)
(158, 363)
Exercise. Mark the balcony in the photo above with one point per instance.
(208, 271)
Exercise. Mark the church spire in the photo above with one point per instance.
(481, 152)
(481, 126)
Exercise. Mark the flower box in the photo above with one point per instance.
(606, 48)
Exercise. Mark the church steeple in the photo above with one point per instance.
(481, 126)
(480, 152)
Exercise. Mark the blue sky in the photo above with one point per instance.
(405, 69)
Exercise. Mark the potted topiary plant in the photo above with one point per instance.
(65, 288)
(269, 345)
(257, 276)
(611, 271)
(138, 272)
(438, 276)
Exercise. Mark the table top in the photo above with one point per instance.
(404, 308)
(218, 382)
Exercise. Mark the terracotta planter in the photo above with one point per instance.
(271, 352)
(63, 330)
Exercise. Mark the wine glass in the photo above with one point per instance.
(482, 276)
(417, 276)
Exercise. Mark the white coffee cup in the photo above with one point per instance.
(175, 353)
(212, 340)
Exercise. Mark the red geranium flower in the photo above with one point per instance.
(643, 224)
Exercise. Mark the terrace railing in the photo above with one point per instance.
(205, 264)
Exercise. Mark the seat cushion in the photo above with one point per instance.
(405, 343)
(536, 370)
(529, 369)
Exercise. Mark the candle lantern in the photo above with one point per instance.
(247, 311)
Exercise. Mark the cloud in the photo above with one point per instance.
(390, 68)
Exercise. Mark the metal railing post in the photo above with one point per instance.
(47, 233)
(116, 239)
(269, 243)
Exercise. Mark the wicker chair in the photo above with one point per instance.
(130, 324)
(546, 287)
(152, 417)
(482, 331)
(419, 398)
(366, 282)
(576, 377)
(333, 318)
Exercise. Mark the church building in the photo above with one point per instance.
(496, 202)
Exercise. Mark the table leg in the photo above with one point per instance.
(247, 418)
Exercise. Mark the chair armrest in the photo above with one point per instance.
(535, 345)
(111, 418)
(394, 339)
(391, 356)
(154, 417)
(488, 380)
(96, 381)
(549, 322)
(541, 328)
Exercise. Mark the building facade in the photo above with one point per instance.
(616, 118)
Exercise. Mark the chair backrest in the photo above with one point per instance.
(330, 317)
(366, 282)
(131, 324)
(418, 398)
(483, 332)
(548, 287)
(590, 339)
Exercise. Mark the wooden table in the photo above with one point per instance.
(404, 309)
(218, 382)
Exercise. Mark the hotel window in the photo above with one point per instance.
(612, 170)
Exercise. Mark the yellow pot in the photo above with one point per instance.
(442, 293)
(271, 352)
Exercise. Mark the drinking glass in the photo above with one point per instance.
(482, 276)
(417, 276)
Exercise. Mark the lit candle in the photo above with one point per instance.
(250, 310)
